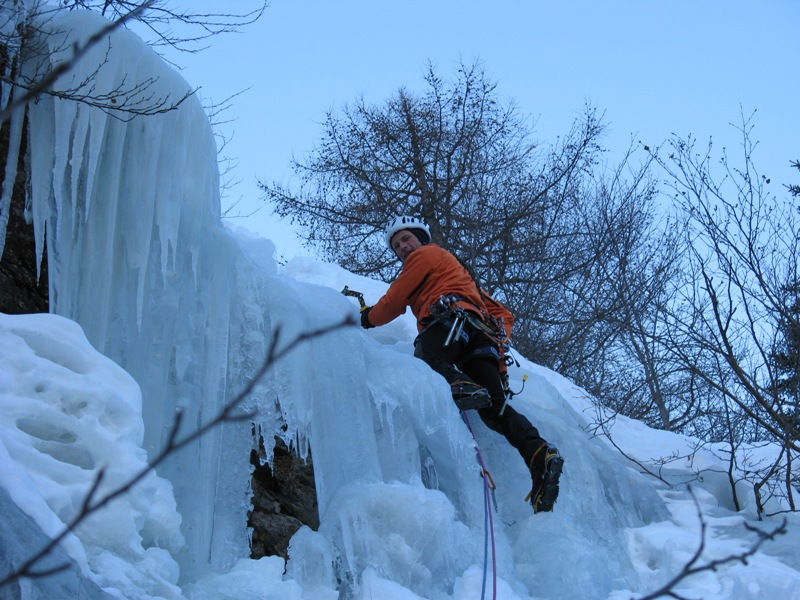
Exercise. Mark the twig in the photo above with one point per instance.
(57, 71)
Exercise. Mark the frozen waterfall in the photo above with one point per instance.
(187, 307)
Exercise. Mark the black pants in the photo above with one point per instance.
(470, 358)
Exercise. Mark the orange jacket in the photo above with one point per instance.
(428, 273)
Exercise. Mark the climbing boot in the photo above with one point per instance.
(545, 466)
(468, 394)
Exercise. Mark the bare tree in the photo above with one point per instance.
(662, 316)
(162, 20)
(454, 156)
(730, 313)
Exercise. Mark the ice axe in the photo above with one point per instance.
(348, 292)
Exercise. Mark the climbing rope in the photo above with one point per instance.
(488, 520)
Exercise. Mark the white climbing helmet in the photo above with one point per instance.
(416, 226)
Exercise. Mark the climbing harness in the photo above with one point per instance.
(447, 308)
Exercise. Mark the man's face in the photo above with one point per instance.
(403, 242)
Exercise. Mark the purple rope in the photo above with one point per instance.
(488, 519)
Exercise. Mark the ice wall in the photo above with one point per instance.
(138, 257)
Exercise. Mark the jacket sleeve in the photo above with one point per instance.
(393, 303)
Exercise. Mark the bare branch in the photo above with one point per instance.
(46, 82)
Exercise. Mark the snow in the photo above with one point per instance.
(68, 413)
(161, 309)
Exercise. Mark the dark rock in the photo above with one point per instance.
(21, 291)
(284, 499)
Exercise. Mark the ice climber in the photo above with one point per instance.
(459, 339)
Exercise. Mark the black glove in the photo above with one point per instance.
(365, 317)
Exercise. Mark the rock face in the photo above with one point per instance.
(21, 291)
(284, 499)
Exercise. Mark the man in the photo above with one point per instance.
(457, 341)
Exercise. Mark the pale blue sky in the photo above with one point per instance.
(653, 68)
